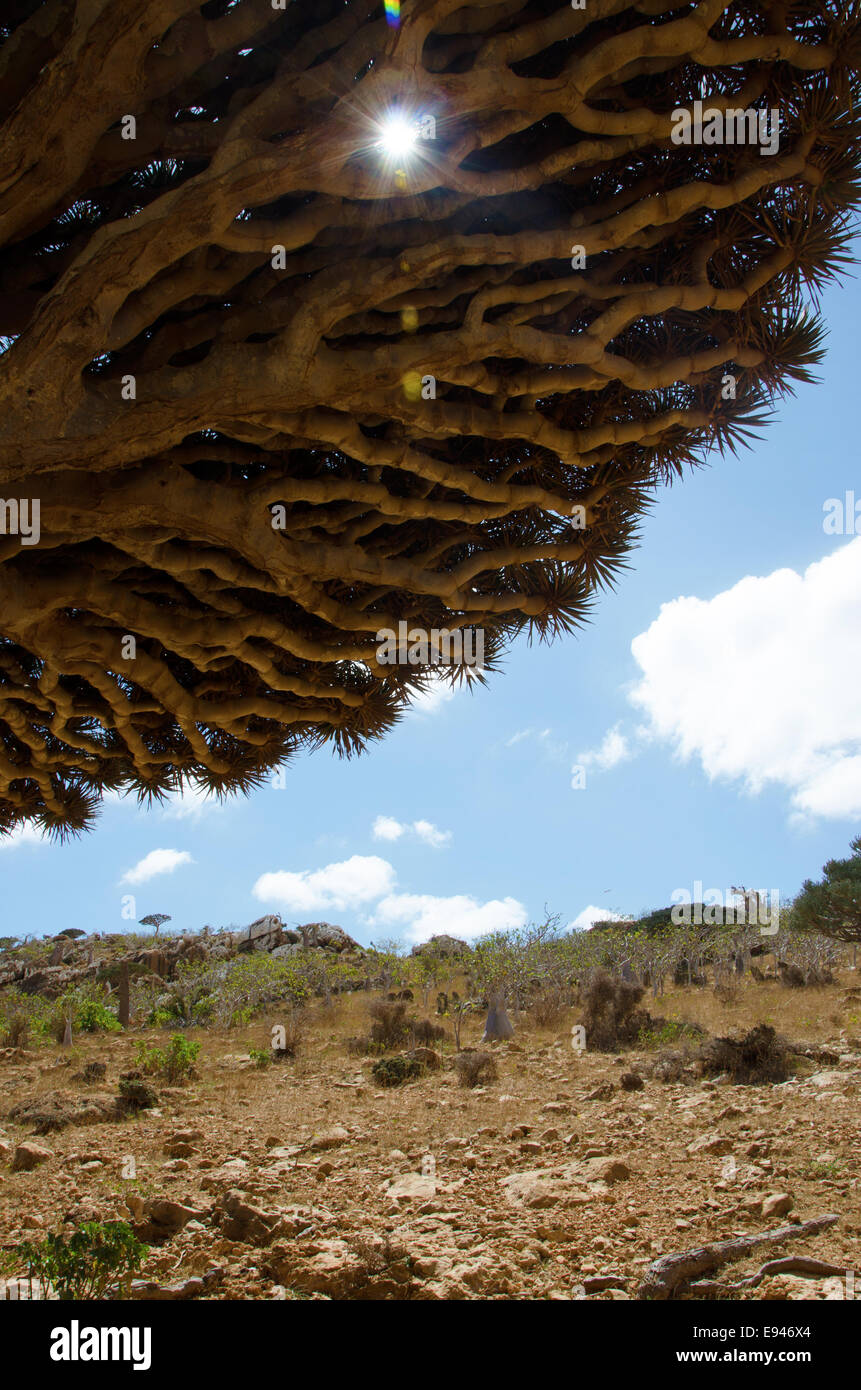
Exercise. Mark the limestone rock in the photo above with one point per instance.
(716, 1144)
(29, 1155)
(777, 1204)
(413, 1187)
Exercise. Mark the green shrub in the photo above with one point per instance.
(174, 1064)
(202, 1010)
(97, 1257)
(260, 1056)
(394, 1071)
(661, 1032)
(92, 1016)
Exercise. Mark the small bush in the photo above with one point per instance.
(389, 1027)
(363, 1047)
(610, 1014)
(475, 1068)
(394, 1071)
(757, 1058)
(91, 1016)
(260, 1056)
(726, 994)
(17, 1031)
(424, 1032)
(174, 1064)
(98, 1257)
(289, 1039)
(662, 1032)
(548, 1007)
(135, 1093)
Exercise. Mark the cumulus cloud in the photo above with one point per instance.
(422, 916)
(25, 834)
(387, 828)
(614, 748)
(590, 915)
(428, 832)
(350, 884)
(158, 861)
(761, 682)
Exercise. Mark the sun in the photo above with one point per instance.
(398, 136)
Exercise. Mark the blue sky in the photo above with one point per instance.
(724, 748)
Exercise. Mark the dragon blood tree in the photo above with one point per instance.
(318, 318)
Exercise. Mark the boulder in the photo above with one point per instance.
(442, 946)
(777, 1204)
(159, 1218)
(239, 1220)
(263, 935)
(413, 1187)
(29, 1155)
(717, 1144)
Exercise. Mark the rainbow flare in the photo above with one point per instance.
(393, 12)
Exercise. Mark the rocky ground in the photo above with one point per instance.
(305, 1179)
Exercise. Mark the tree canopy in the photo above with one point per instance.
(270, 384)
(833, 907)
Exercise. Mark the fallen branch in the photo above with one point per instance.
(149, 1291)
(665, 1275)
(792, 1264)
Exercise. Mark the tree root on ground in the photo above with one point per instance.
(664, 1276)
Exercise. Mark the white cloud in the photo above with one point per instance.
(590, 915)
(525, 733)
(761, 682)
(614, 748)
(387, 828)
(553, 748)
(158, 861)
(424, 916)
(349, 884)
(25, 834)
(190, 804)
(437, 692)
(428, 832)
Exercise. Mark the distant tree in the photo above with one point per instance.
(833, 907)
(155, 919)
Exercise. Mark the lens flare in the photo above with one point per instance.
(393, 13)
(398, 136)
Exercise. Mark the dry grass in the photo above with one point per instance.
(475, 1068)
(809, 1014)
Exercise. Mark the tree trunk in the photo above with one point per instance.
(498, 1026)
(123, 1006)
